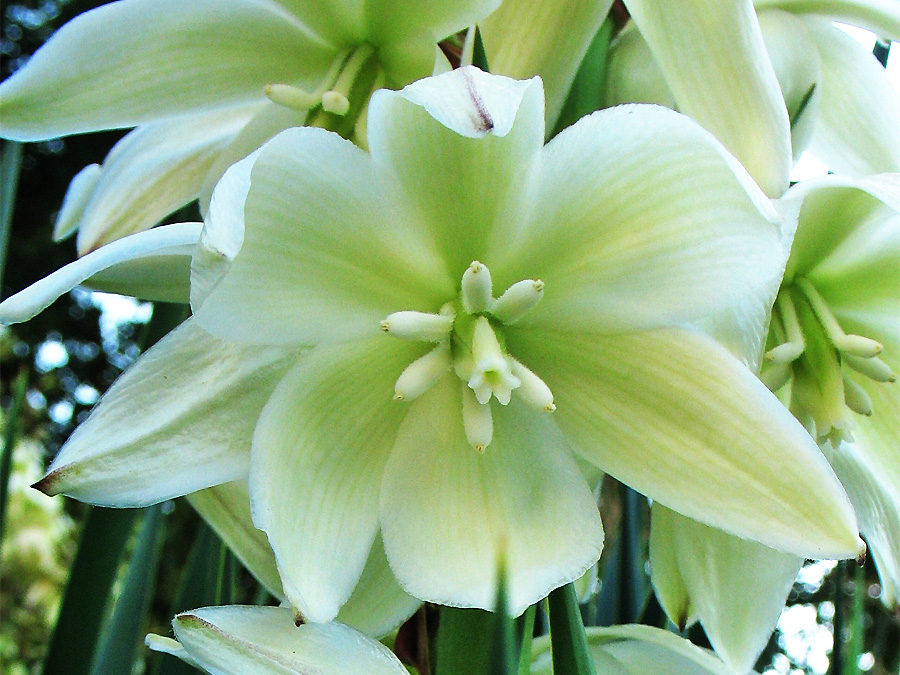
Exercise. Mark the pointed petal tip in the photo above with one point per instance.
(861, 554)
(49, 484)
(298, 618)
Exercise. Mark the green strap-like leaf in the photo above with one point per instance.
(10, 431)
(567, 638)
(479, 55)
(10, 168)
(586, 93)
(103, 539)
(126, 627)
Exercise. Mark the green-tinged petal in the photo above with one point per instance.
(674, 415)
(460, 144)
(154, 170)
(319, 451)
(264, 641)
(668, 583)
(77, 197)
(736, 587)
(877, 503)
(226, 508)
(223, 231)
(658, 225)
(857, 129)
(844, 221)
(635, 650)
(713, 57)
(270, 119)
(449, 513)
(525, 38)
(797, 65)
(378, 604)
(632, 75)
(392, 20)
(882, 17)
(135, 61)
(152, 265)
(328, 250)
(179, 420)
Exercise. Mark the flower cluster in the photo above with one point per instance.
(421, 333)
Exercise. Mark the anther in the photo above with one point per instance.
(534, 390)
(409, 325)
(477, 420)
(794, 345)
(873, 368)
(335, 102)
(476, 288)
(856, 398)
(518, 300)
(423, 373)
(291, 97)
(857, 345)
(852, 344)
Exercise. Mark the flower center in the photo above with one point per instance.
(814, 353)
(340, 101)
(468, 333)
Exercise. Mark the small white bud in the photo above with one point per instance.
(423, 373)
(421, 326)
(477, 421)
(476, 288)
(534, 391)
(518, 300)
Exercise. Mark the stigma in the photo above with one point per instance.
(468, 334)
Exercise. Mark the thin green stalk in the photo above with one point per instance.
(10, 432)
(568, 641)
(10, 170)
(839, 621)
(856, 623)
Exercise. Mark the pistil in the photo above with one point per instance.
(469, 336)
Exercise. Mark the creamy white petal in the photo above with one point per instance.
(737, 587)
(319, 453)
(329, 249)
(179, 420)
(714, 59)
(77, 196)
(675, 416)
(559, 34)
(668, 583)
(882, 17)
(152, 265)
(131, 62)
(449, 513)
(237, 640)
(658, 225)
(154, 170)
(857, 131)
(461, 146)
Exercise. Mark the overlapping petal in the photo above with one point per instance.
(882, 17)
(319, 452)
(154, 170)
(450, 515)
(195, 56)
(627, 241)
(328, 249)
(738, 617)
(675, 416)
(197, 399)
(153, 265)
(239, 640)
(714, 60)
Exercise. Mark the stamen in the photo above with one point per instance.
(873, 368)
(795, 345)
(423, 373)
(856, 398)
(335, 102)
(852, 344)
(477, 420)
(518, 300)
(291, 97)
(337, 99)
(421, 326)
(476, 288)
(491, 374)
(534, 390)
(776, 376)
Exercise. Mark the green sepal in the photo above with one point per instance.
(567, 637)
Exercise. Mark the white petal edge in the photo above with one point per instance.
(152, 265)
(882, 17)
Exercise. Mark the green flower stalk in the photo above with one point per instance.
(206, 83)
